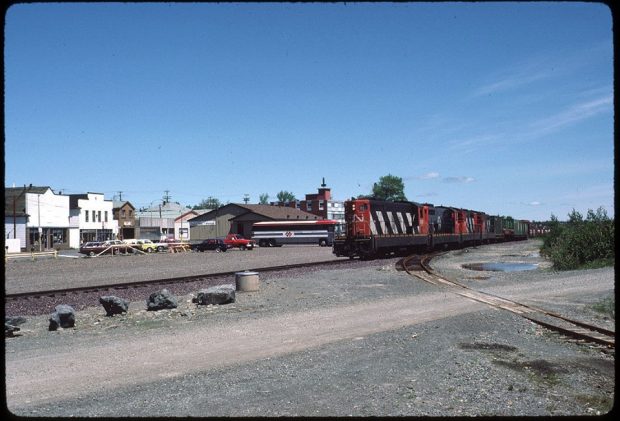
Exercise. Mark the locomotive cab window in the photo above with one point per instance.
(363, 208)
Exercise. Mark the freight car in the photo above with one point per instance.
(377, 228)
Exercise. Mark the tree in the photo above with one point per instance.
(263, 199)
(580, 242)
(389, 187)
(285, 196)
(208, 203)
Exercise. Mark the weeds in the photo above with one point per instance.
(606, 306)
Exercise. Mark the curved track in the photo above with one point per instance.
(418, 266)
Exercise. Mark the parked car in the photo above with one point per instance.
(161, 245)
(143, 244)
(216, 244)
(107, 247)
(236, 240)
(174, 245)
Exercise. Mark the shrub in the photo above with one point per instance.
(581, 243)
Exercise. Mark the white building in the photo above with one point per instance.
(91, 219)
(37, 217)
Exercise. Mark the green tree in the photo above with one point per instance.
(285, 196)
(389, 187)
(208, 203)
(263, 199)
(579, 242)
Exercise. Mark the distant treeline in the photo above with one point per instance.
(580, 243)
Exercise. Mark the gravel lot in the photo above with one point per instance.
(364, 340)
(48, 273)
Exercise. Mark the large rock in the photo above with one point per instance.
(161, 300)
(221, 294)
(64, 317)
(10, 325)
(114, 305)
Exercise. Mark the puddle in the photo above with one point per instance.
(501, 266)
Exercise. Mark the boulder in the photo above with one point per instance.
(221, 294)
(113, 305)
(161, 300)
(10, 325)
(64, 317)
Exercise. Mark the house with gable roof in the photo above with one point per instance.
(236, 218)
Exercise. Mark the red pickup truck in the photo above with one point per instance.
(235, 240)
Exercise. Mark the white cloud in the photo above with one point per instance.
(574, 114)
(474, 142)
(429, 176)
(511, 81)
(461, 179)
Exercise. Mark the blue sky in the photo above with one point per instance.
(501, 107)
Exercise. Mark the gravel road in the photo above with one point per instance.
(362, 341)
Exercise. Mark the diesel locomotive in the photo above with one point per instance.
(376, 228)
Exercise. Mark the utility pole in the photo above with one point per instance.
(246, 198)
(39, 215)
(15, 198)
(120, 196)
(166, 197)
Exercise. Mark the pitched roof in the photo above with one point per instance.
(166, 210)
(279, 212)
(116, 204)
(268, 211)
(196, 212)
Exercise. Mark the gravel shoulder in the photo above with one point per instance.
(358, 341)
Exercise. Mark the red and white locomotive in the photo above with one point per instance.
(376, 228)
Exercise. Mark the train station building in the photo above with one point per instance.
(238, 219)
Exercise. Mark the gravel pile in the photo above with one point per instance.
(482, 363)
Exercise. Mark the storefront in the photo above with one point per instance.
(87, 235)
(47, 238)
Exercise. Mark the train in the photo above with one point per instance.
(278, 233)
(376, 228)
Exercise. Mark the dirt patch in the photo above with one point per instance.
(542, 367)
(488, 346)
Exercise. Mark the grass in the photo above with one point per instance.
(606, 306)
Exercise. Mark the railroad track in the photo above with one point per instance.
(418, 266)
(153, 282)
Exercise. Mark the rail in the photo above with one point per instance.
(33, 255)
(545, 318)
(178, 279)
